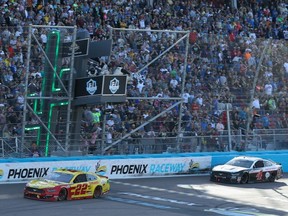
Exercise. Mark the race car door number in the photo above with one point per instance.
(80, 189)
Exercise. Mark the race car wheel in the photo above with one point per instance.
(97, 192)
(244, 178)
(62, 194)
(272, 178)
(279, 173)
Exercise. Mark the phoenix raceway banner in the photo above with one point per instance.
(114, 169)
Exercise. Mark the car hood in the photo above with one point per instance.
(41, 184)
(228, 168)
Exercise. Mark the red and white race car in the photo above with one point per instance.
(244, 169)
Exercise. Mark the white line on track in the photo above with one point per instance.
(167, 191)
(188, 194)
(159, 199)
(129, 201)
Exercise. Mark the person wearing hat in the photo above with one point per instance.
(247, 54)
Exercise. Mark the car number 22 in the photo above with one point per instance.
(80, 189)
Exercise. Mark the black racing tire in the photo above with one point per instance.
(272, 178)
(62, 194)
(244, 178)
(279, 173)
(97, 192)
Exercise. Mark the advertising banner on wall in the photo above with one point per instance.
(114, 169)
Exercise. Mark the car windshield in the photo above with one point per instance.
(59, 177)
(240, 163)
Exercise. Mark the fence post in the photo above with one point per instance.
(229, 126)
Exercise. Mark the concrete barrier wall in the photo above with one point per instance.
(129, 166)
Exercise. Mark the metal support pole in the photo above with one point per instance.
(151, 30)
(111, 38)
(48, 98)
(249, 120)
(162, 54)
(50, 64)
(2, 148)
(229, 127)
(139, 127)
(51, 27)
(70, 88)
(155, 98)
(234, 4)
(103, 131)
(24, 119)
(46, 128)
(183, 77)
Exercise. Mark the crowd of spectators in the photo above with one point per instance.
(226, 42)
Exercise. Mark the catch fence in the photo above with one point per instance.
(180, 77)
(259, 140)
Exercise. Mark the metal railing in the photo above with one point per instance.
(9, 147)
(259, 140)
(273, 139)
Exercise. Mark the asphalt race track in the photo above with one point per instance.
(170, 196)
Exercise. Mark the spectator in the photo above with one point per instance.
(34, 150)
(220, 127)
(221, 59)
(266, 121)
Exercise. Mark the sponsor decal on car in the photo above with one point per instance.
(80, 168)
